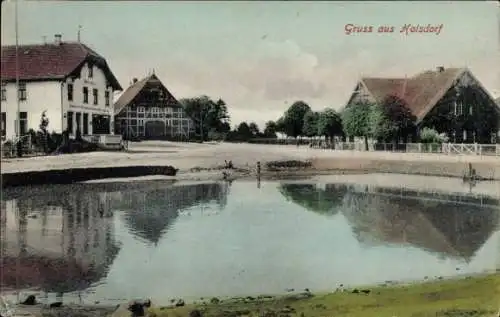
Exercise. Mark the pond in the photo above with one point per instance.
(162, 240)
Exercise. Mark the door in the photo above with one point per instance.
(78, 118)
(155, 129)
(85, 124)
(100, 124)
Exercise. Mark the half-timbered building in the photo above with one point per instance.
(147, 110)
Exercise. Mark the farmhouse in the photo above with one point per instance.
(147, 110)
(68, 80)
(451, 101)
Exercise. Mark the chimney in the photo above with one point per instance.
(440, 69)
(134, 80)
(57, 39)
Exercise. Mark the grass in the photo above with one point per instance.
(471, 296)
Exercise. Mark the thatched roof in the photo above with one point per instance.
(421, 92)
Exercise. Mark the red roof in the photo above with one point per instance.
(421, 92)
(51, 62)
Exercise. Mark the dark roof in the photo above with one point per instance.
(133, 90)
(421, 92)
(51, 62)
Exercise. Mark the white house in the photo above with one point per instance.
(68, 80)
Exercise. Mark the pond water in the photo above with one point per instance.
(156, 239)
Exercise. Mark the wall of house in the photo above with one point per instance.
(40, 96)
(77, 105)
(50, 95)
(174, 121)
(466, 113)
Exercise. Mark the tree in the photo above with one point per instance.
(428, 135)
(243, 131)
(280, 125)
(392, 120)
(329, 123)
(356, 120)
(44, 123)
(270, 129)
(207, 114)
(254, 128)
(294, 118)
(310, 128)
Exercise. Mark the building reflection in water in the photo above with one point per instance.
(450, 225)
(60, 239)
(150, 213)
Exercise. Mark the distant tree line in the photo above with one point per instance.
(388, 121)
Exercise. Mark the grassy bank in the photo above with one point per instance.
(472, 296)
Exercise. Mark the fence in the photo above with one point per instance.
(28, 148)
(445, 148)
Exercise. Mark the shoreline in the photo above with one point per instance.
(422, 294)
(122, 174)
(193, 160)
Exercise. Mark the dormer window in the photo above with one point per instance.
(90, 71)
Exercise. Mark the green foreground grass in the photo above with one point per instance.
(471, 296)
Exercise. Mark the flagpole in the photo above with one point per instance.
(18, 132)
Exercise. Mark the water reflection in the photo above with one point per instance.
(451, 225)
(61, 239)
(313, 197)
(149, 214)
(220, 239)
(56, 240)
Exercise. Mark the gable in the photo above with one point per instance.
(42, 62)
(360, 94)
(140, 87)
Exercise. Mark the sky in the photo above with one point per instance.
(260, 57)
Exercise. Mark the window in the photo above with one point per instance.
(96, 96)
(90, 71)
(22, 91)
(106, 98)
(470, 110)
(70, 92)
(3, 123)
(23, 122)
(4, 92)
(460, 109)
(85, 95)
(140, 109)
(69, 122)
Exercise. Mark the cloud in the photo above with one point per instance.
(281, 70)
(261, 84)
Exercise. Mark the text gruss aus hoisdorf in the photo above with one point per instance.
(406, 29)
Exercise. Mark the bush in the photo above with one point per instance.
(428, 135)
